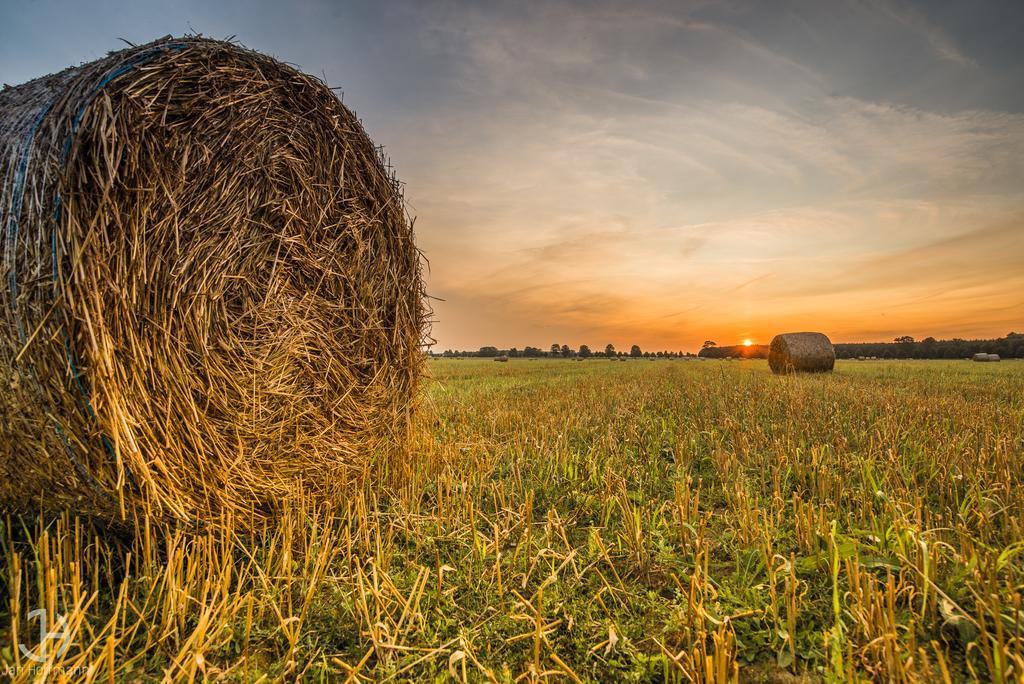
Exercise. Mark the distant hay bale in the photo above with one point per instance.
(803, 352)
(502, 358)
(983, 357)
(211, 290)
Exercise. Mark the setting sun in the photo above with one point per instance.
(747, 343)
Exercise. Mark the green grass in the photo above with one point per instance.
(637, 521)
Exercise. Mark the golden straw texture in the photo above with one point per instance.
(804, 352)
(212, 295)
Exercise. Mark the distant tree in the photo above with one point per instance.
(905, 339)
(609, 349)
(566, 352)
(556, 349)
(513, 353)
(930, 348)
(487, 352)
(635, 352)
(532, 352)
(585, 352)
(708, 343)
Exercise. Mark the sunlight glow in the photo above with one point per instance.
(747, 343)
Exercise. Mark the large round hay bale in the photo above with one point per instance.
(211, 295)
(803, 352)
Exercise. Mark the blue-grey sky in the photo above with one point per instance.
(660, 172)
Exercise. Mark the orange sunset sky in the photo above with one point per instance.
(662, 173)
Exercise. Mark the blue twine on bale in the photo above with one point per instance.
(17, 197)
(13, 231)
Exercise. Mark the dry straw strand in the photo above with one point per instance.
(213, 294)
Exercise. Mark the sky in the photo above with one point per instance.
(660, 173)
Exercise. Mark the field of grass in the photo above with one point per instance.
(640, 521)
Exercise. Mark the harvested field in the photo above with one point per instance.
(628, 522)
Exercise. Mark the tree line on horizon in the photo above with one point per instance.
(561, 351)
(904, 347)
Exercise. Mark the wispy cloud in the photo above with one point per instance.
(940, 42)
(609, 223)
(662, 172)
